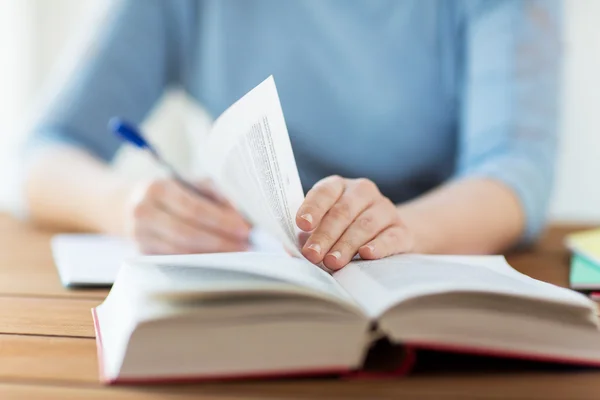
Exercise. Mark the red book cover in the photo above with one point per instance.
(409, 359)
(340, 371)
(517, 355)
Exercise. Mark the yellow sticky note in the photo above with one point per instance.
(586, 244)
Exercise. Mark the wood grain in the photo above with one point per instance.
(53, 316)
(26, 264)
(47, 351)
(43, 359)
(41, 392)
(547, 386)
(551, 268)
(552, 240)
(18, 280)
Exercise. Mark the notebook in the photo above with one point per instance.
(584, 275)
(585, 243)
(88, 260)
(585, 261)
(93, 260)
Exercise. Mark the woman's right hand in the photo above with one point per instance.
(163, 217)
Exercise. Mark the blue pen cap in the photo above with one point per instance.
(127, 132)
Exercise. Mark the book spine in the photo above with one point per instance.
(517, 355)
(405, 367)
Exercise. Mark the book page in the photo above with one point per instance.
(381, 284)
(251, 160)
(242, 270)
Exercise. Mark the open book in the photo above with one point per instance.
(255, 314)
(229, 316)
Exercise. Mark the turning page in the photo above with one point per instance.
(243, 270)
(251, 160)
(379, 285)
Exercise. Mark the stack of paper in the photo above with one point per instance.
(585, 262)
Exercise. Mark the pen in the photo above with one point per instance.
(132, 135)
(129, 133)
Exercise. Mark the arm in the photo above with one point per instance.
(69, 189)
(508, 134)
(123, 72)
(68, 184)
(470, 216)
(499, 195)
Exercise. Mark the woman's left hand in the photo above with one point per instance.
(349, 216)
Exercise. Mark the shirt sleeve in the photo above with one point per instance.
(509, 105)
(122, 71)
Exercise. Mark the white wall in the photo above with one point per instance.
(34, 32)
(16, 87)
(56, 21)
(577, 195)
(16, 43)
(39, 43)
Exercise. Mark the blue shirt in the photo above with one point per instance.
(410, 93)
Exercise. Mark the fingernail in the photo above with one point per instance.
(308, 218)
(315, 247)
(336, 254)
(371, 248)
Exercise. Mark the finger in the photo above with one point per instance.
(146, 241)
(303, 238)
(394, 240)
(153, 245)
(203, 213)
(185, 237)
(356, 198)
(318, 201)
(365, 228)
(208, 188)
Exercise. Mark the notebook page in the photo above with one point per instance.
(89, 259)
(94, 259)
(251, 160)
(379, 285)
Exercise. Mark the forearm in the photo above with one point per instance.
(470, 216)
(71, 189)
(68, 189)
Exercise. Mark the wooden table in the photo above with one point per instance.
(47, 348)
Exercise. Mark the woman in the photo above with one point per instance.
(417, 126)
